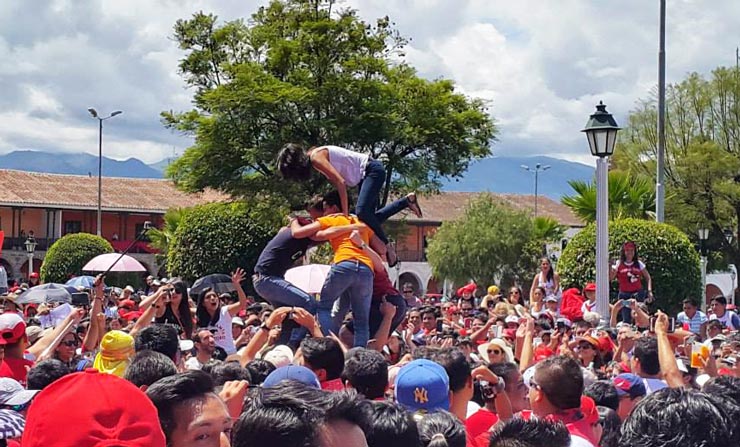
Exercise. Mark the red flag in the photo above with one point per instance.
(2, 239)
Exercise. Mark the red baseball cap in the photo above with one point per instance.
(12, 328)
(34, 275)
(590, 287)
(104, 410)
(470, 288)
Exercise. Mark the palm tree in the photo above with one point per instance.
(629, 196)
(161, 238)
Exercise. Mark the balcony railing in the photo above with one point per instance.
(18, 243)
(411, 256)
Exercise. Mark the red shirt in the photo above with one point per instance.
(15, 369)
(629, 276)
(480, 422)
(382, 285)
(332, 385)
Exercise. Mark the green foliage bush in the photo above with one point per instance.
(670, 258)
(219, 237)
(68, 255)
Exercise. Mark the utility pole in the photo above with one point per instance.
(660, 182)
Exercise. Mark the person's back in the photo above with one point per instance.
(534, 432)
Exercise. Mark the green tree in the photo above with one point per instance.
(219, 237)
(702, 154)
(667, 252)
(69, 254)
(491, 243)
(300, 72)
(629, 196)
(161, 238)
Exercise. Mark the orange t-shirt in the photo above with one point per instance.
(344, 249)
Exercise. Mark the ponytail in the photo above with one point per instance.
(441, 429)
(438, 440)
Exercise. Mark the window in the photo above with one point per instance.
(72, 226)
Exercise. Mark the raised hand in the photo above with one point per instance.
(237, 277)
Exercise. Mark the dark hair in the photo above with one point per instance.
(715, 324)
(560, 378)
(622, 256)
(454, 362)
(315, 203)
(259, 370)
(550, 272)
(367, 372)
(520, 301)
(202, 317)
(720, 299)
(535, 432)
(332, 199)
(183, 310)
(691, 301)
(293, 162)
(583, 324)
(676, 417)
(210, 366)
(387, 424)
(147, 367)
(506, 370)
(170, 392)
(610, 424)
(725, 387)
(162, 338)
(646, 351)
(45, 372)
(428, 310)
(324, 353)
(441, 423)
(228, 371)
(604, 393)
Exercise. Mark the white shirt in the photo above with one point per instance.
(223, 335)
(349, 164)
(193, 364)
(727, 319)
(653, 385)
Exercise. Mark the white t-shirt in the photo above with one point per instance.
(193, 364)
(653, 385)
(729, 319)
(222, 334)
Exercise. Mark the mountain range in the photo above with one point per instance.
(499, 174)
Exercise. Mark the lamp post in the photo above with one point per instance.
(30, 249)
(703, 236)
(601, 131)
(537, 169)
(100, 119)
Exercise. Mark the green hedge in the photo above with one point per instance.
(218, 237)
(670, 258)
(68, 255)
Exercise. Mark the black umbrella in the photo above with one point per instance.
(219, 282)
(47, 293)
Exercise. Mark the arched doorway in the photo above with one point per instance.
(712, 291)
(433, 286)
(36, 267)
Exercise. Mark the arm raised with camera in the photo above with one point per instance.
(263, 333)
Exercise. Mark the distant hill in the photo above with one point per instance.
(505, 175)
(76, 164)
(499, 174)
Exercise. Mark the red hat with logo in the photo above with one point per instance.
(100, 410)
(12, 328)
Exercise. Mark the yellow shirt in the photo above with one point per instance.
(344, 249)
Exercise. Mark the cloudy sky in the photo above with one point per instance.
(543, 64)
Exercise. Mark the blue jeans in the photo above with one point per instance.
(367, 199)
(341, 307)
(626, 312)
(279, 292)
(354, 280)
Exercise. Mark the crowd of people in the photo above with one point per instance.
(364, 363)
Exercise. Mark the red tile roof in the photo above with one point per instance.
(446, 206)
(36, 190)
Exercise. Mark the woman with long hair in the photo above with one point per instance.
(211, 314)
(345, 168)
(629, 272)
(515, 301)
(546, 278)
(176, 309)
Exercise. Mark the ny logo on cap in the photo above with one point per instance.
(420, 396)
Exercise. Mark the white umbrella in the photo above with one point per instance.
(309, 278)
(110, 261)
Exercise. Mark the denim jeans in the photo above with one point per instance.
(626, 312)
(367, 199)
(279, 292)
(354, 280)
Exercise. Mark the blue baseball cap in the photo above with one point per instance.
(423, 385)
(629, 385)
(292, 372)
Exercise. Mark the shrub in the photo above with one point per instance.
(666, 251)
(219, 237)
(68, 255)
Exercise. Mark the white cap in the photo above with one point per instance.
(280, 355)
(238, 321)
(512, 319)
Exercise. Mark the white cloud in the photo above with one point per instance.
(542, 64)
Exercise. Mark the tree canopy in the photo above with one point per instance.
(69, 254)
(300, 71)
(491, 243)
(630, 195)
(702, 155)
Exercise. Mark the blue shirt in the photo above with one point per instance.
(695, 322)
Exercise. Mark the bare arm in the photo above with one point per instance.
(666, 358)
(502, 402)
(49, 341)
(147, 317)
(299, 231)
(381, 335)
(556, 281)
(149, 300)
(480, 333)
(527, 357)
(374, 257)
(90, 342)
(236, 279)
(614, 312)
(333, 232)
(534, 285)
(612, 273)
(320, 161)
(646, 275)
(260, 338)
